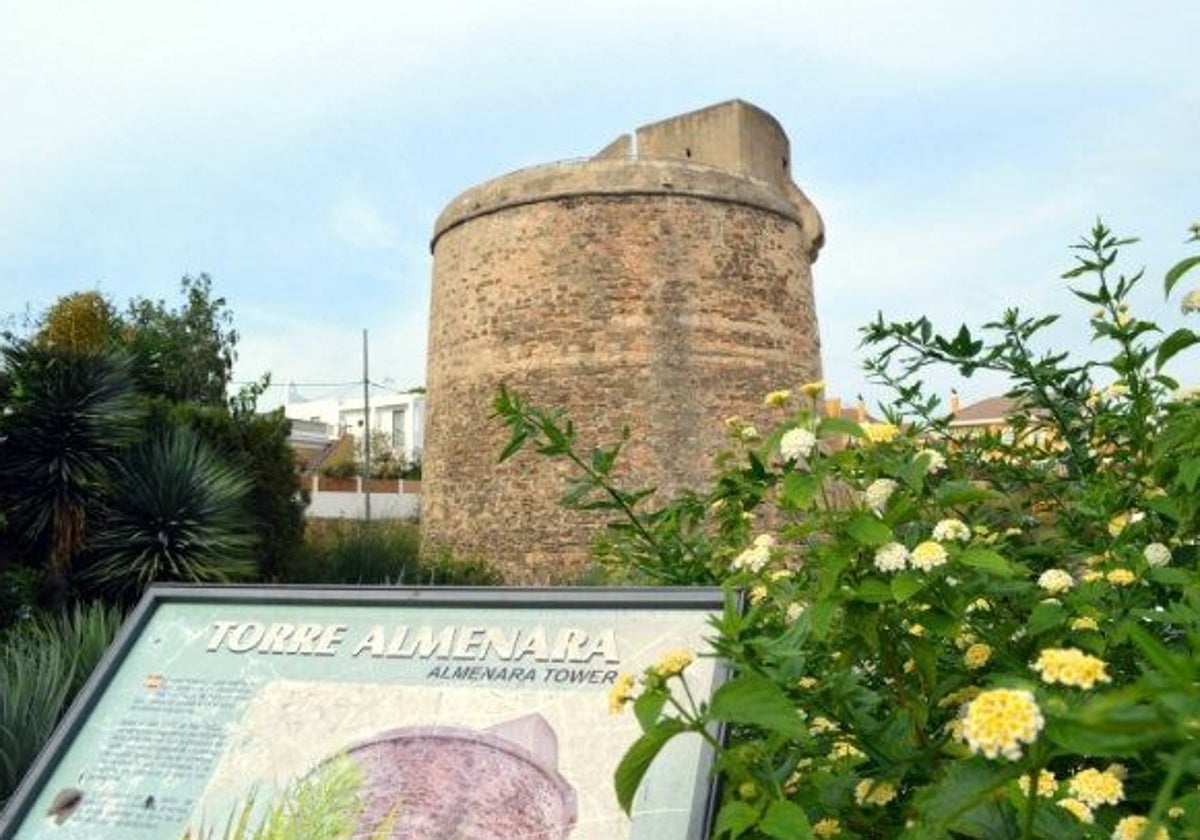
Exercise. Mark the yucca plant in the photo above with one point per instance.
(176, 512)
(68, 420)
(43, 664)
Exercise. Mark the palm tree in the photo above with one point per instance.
(68, 419)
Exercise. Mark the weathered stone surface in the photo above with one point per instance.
(664, 295)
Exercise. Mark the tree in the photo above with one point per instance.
(184, 354)
(67, 422)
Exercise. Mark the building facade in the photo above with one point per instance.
(663, 285)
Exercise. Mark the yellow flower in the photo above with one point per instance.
(844, 749)
(1120, 577)
(880, 432)
(1092, 576)
(917, 630)
(822, 725)
(1070, 666)
(758, 594)
(826, 828)
(1094, 788)
(1175, 812)
(1080, 811)
(927, 556)
(1133, 828)
(777, 399)
(1121, 521)
(1085, 622)
(998, 721)
(1046, 785)
(977, 655)
(806, 683)
(813, 389)
(870, 792)
(673, 662)
(620, 694)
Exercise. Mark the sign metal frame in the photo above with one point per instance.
(565, 598)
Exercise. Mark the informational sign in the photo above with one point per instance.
(468, 714)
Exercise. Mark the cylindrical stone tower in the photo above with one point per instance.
(664, 289)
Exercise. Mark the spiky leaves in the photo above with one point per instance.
(69, 418)
(175, 513)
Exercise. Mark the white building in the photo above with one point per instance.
(401, 416)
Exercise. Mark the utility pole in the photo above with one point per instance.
(366, 432)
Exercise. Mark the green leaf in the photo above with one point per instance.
(648, 708)
(1173, 344)
(514, 445)
(906, 585)
(798, 491)
(868, 530)
(638, 758)
(1126, 731)
(957, 798)
(838, 426)
(874, 591)
(1046, 617)
(988, 561)
(1189, 473)
(786, 821)
(1177, 271)
(1178, 667)
(757, 701)
(954, 493)
(735, 819)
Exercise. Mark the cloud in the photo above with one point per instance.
(359, 222)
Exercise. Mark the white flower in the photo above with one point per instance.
(794, 611)
(951, 529)
(1056, 581)
(878, 493)
(748, 433)
(757, 555)
(892, 557)
(796, 444)
(935, 461)
(1191, 302)
(1157, 554)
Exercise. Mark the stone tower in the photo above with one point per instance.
(664, 283)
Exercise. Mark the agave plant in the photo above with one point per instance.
(175, 513)
(69, 418)
(43, 664)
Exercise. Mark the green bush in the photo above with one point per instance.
(174, 513)
(945, 636)
(43, 664)
(381, 552)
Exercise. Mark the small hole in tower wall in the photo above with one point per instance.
(687, 152)
(785, 163)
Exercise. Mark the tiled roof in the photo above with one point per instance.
(992, 409)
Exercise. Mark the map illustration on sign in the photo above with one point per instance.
(376, 715)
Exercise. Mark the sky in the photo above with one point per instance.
(299, 151)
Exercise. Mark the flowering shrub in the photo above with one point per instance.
(931, 621)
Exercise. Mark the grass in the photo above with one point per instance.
(43, 664)
(383, 552)
(323, 806)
